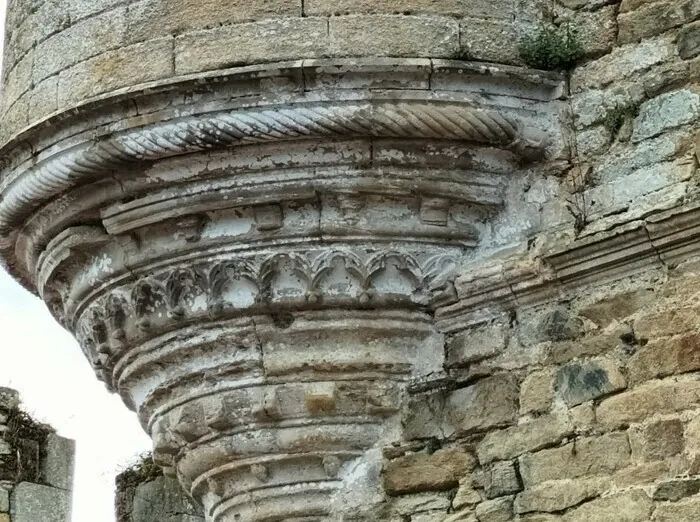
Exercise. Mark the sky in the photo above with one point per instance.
(44, 363)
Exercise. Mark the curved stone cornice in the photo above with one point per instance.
(254, 265)
(439, 120)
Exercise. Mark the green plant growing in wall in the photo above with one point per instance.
(616, 117)
(551, 47)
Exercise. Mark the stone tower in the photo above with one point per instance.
(357, 260)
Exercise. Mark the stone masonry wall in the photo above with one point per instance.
(36, 467)
(144, 494)
(585, 409)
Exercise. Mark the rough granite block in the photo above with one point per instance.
(36, 503)
(58, 465)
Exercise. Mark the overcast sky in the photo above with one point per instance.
(43, 362)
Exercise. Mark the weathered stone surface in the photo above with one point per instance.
(497, 510)
(163, 497)
(665, 396)
(665, 112)
(491, 40)
(407, 505)
(620, 63)
(270, 40)
(473, 345)
(529, 436)
(489, 403)
(84, 40)
(478, 8)
(558, 495)
(150, 18)
(669, 322)
(58, 463)
(439, 471)
(655, 18)
(4, 499)
(659, 440)
(9, 398)
(580, 382)
(559, 325)
(99, 74)
(588, 456)
(632, 506)
(683, 511)
(33, 502)
(502, 479)
(662, 357)
(676, 489)
(436, 37)
(537, 392)
(689, 41)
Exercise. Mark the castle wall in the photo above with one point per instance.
(571, 379)
(36, 467)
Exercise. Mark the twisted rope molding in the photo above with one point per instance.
(193, 134)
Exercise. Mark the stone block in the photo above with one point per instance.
(81, 41)
(676, 489)
(58, 464)
(658, 397)
(476, 8)
(663, 323)
(597, 30)
(149, 19)
(537, 392)
(51, 17)
(407, 505)
(528, 436)
(4, 499)
(492, 40)
(683, 511)
(502, 479)
(496, 510)
(562, 352)
(9, 398)
(558, 325)
(4, 517)
(559, 495)
(18, 80)
(418, 472)
(473, 345)
(44, 98)
(34, 502)
(162, 495)
(266, 41)
(580, 382)
(665, 112)
(490, 402)
(386, 35)
(589, 456)
(591, 107)
(688, 44)
(655, 18)
(667, 356)
(621, 63)
(630, 506)
(113, 70)
(657, 441)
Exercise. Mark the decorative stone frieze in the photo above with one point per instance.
(253, 260)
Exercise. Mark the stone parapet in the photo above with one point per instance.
(36, 467)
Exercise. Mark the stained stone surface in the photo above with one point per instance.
(341, 273)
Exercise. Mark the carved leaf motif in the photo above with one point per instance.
(275, 264)
(326, 263)
(438, 269)
(404, 263)
(180, 283)
(146, 296)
